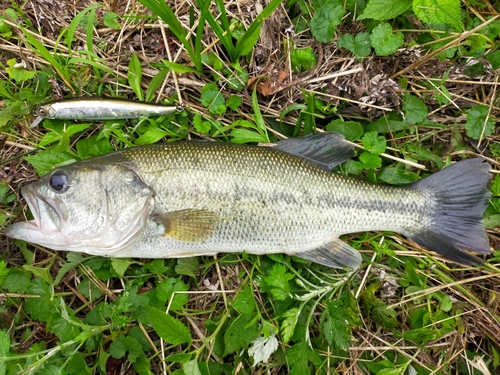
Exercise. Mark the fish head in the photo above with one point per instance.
(45, 111)
(95, 209)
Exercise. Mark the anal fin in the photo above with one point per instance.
(189, 225)
(335, 254)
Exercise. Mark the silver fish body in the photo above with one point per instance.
(202, 198)
(101, 109)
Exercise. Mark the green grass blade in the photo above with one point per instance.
(76, 22)
(162, 10)
(248, 40)
(41, 50)
(259, 120)
(222, 32)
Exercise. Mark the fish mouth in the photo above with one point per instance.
(47, 214)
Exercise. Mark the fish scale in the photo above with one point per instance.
(201, 198)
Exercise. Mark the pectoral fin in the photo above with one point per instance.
(336, 254)
(189, 225)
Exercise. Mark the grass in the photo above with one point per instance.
(413, 90)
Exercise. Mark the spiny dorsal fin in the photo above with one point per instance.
(336, 254)
(188, 225)
(327, 149)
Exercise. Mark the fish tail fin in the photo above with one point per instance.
(460, 194)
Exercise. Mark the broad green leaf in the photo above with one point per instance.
(134, 75)
(151, 136)
(247, 136)
(167, 289)
(120, 265)
(370, 161)
(244, 302)
(240, 333)
(397, 176)
(17, 71)
(191, 368)
(61, 327)
(351, 130)
(170, 329)
(374, 143)
(436, 12)
(325, 20)
(334, 326)
(233, 102)
(384, 41)
(43, 273)
(46, 160)
(303, 59)
(201, 126)
(4, 350)
(382, 10)
(187, 266)
(121, 345)
(478, 126)
(110, 19)
(213, 99)
(414, 109)
(359, 45)
(298, 358)
(17, 281)
(492, 221)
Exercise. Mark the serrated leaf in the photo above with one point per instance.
(359, 45)
(244, 302)
(384, 41)
(298, 358)
(17, 281)
(110, 19)
(325, 20)
(239, 334)
(370, 161)
(213, 99)
(414, 109)
(187, 266)
(374, 143)
(303, 59)
(288, 325)
(201, 126)
(476, 125)
(436, 12)
(334, 326)
(46, 160)
(233, 102)
(351, 130)
(17, 71)
(166, 290)
(277, 282)
(382, 10)
(191, 368)
(120, 265)
(170, 329)
(121, 345)
(61, 327)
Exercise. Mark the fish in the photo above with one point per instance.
(101, 109)
(192, 198)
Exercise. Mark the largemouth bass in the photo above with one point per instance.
(100, 109)
(201, 198)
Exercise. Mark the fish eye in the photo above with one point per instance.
(58, 182)
(41, 111)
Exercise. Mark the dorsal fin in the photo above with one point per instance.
(326, 149)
